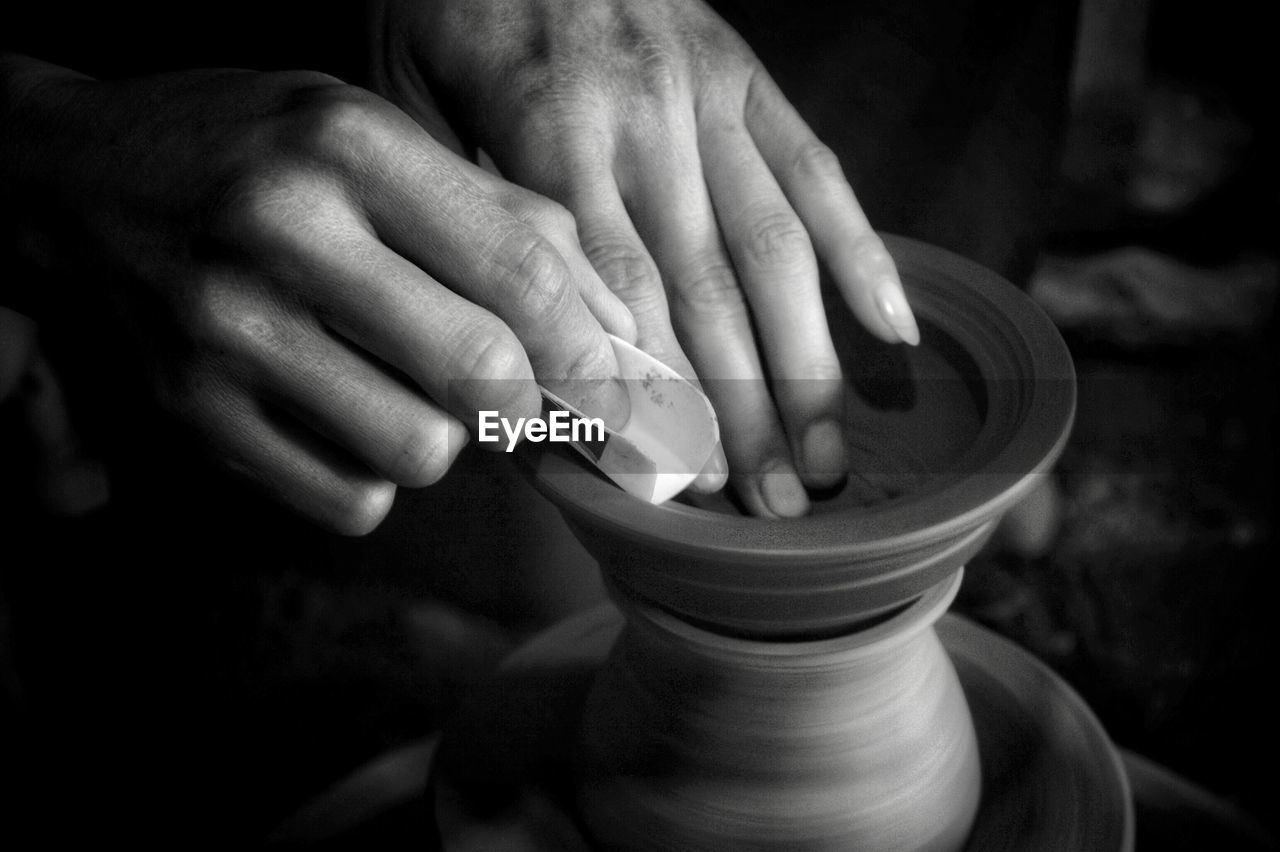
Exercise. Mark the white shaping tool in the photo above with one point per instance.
(671, 434)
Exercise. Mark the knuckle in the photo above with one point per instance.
(361, 507)
(776, 240)
(544, 215)
(652, 53)
(214, 316)
(556, 217)
(536, 279)
(589, 363)
(823, 372)
(490, 353)
(718, 54)
(333, 120)
(816, 161)
(553, 98)
(630, 273)
(713, 292)
(661, 73)
(253, 210)
(809, 386)
(868, 249)
(221, 323)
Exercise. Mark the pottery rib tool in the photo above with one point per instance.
(669, 437)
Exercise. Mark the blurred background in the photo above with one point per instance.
(203, 657)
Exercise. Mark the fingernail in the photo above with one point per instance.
(894, 309)
(714, 474)
(782, 492)
(617, 404)
(823, 452)
(607, 399)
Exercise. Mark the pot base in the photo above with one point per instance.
(1051, 778)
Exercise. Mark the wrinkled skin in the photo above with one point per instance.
(701, 198)
(311, 272)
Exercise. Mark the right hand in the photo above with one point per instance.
(702, 197)
(312, 273)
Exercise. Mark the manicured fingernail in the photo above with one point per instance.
(823, 452)
(782, 492)
(714, 474)
(894, 309)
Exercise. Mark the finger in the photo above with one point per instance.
(714, 474)
(559, 225)
(813, 181)
(674, 216)
(294, 465)
(579, 175)
(337, 391)
(775, 264)
(464, 358)
(617, 253)
(450, 227)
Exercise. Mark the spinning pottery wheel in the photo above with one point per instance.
(780, 684)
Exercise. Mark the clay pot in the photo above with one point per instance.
(942, 438)
(697, 741)
(504, 777)
(778, 684)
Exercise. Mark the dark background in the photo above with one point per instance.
(188, 661)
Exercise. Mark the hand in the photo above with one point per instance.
(700, 197)
(314, 276)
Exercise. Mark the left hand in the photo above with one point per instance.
(700, 197)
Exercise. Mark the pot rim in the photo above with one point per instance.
(1026, 369)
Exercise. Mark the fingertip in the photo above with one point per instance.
(776, 492)
(714, 474)
(360, 509)
(616, 411)
(456, 437)
(891, 305)
(822, 454)
(784, 492)
(491, 406)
